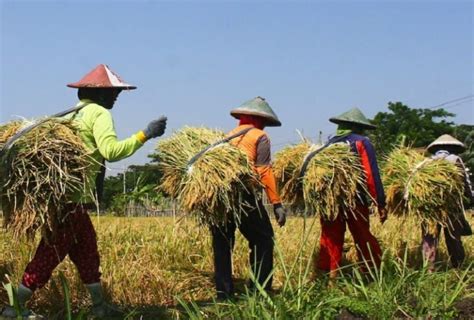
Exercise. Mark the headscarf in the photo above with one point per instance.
(257, 122)
(345, 129)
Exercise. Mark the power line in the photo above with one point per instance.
(469, 97)
(459, 103)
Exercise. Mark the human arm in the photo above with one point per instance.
(468, 191)
(265, 172)
(108, 144)
(374, 182)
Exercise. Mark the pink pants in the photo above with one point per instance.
(76, 238)
(453, 244)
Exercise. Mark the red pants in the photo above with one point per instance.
(332, 239)
(77, 238)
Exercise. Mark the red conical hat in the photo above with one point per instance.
(101, 77)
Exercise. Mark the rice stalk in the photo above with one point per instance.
(214, 188)
(286, 168)
(38, 174)
(334, 179)
(431, 190)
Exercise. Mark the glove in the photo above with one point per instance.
(155, 128)
(280, 214)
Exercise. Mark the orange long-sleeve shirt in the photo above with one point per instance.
(256, 144)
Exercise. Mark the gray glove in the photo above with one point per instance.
(156, 128)
(280, 214)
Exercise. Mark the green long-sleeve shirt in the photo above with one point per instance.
(97, 131)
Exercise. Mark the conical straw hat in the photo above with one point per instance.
(257, 107)
(101, 77)
(446, 141)
(353, 117)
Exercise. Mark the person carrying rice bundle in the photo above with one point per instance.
(351, 126)
(446, 147)
(254, 224)
(76, 237)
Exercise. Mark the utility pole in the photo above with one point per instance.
(124, 180)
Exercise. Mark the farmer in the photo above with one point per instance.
(350, 130)
(76, 237)
(448, 148)
(255, 225)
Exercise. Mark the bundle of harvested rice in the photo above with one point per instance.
(286, 168)
(426, 188)
(38, 174)
(334, 179)
(214, 187)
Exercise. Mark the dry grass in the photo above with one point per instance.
(38, 175)
(149, 262)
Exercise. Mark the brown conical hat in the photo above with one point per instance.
(446, 141)
(101, 77)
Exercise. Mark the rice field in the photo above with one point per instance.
(162, 268)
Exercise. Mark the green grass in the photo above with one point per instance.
(162, 268)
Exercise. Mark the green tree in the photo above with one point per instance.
(113, 185)
(419, 127)
(465, 133)
(139, 183)
(141, 194)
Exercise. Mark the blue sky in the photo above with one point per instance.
(194, 61)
